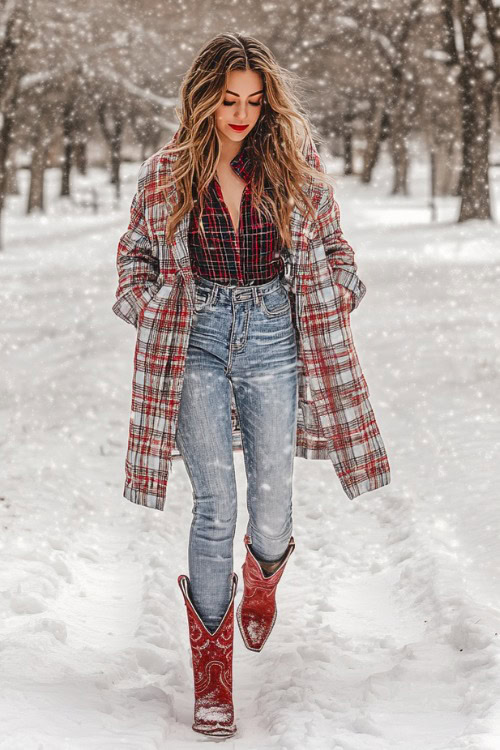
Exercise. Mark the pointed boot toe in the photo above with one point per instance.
(257, 611)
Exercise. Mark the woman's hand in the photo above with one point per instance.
(348, 296)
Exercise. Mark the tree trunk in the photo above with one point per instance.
(401, 121)
(116, 147)
(6, 137)
(16, 29)
(38, 161)
(432, 200)
(374, 130)
(12, 186)
(477, 99)
(80, 155)
(68, 141)
(399, 153)
(113, 135)
(347, 120)
(66, 169)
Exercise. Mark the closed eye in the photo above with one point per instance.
(254, 104)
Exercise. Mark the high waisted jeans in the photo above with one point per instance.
(242, 338)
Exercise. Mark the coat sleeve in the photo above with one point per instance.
(328, 233)
(137, 266)
(338, 251)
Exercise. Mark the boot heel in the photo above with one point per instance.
(212, 656)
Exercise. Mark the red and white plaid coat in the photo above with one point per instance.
(156, 294)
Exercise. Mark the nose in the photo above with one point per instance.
(241, 111)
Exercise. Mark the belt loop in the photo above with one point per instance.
(256, 296)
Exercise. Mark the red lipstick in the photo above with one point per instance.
(239, 128)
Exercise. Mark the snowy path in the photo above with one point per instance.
(387, 635)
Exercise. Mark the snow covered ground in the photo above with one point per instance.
(388, 629)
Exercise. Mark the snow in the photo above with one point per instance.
(387, 635)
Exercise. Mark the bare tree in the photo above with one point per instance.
(15, 32)
(389, 32)
(475, 56)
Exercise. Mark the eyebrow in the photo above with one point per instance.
(235, 94)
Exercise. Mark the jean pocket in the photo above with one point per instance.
(275, 303)
(202, 299)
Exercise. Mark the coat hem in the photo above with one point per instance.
(144, 498)
(370, 483)
(360, 487)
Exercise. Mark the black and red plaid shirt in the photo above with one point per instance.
(251, 256)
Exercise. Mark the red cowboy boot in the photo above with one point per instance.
(212, 658)
(257, 611)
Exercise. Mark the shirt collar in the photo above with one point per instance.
(242, 162)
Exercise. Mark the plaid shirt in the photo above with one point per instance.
(251, 256)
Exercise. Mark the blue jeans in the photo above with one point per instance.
(242, 338)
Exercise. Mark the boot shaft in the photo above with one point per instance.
(212, 659)
(253, 574)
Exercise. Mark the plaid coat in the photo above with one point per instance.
(156, 294)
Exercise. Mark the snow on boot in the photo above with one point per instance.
(212, 658)
(257, 610)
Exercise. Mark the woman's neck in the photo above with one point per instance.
(229, 149)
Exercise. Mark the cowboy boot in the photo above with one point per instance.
(212, 658)
(257, 610)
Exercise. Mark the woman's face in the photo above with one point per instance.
(242, 105)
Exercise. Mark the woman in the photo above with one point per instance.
(235, 273)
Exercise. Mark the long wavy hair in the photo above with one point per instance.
(277, 144)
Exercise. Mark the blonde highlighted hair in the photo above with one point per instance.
(278, 143)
